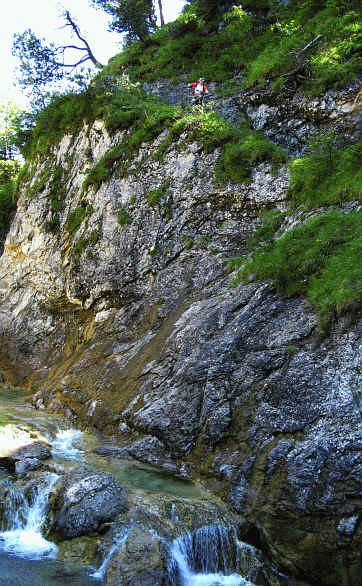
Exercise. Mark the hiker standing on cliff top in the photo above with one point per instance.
(200, 90)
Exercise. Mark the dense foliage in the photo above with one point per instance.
(137, 18)
(8, 174)
(316, 44)
(319, 257)
(327, 175)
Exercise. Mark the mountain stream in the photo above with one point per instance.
(28, 558)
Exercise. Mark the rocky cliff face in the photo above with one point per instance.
(129, 323)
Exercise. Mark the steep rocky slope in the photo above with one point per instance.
(127, 320)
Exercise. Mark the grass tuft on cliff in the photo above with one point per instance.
(241, 148)
(308, 43)
(76, 217)
(319, 258)
(327, 175)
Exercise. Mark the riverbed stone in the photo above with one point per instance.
(22, 447)
(86, 499)
(23, 466)
(79, 550)
(149, 450)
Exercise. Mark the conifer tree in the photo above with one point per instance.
(137, 18)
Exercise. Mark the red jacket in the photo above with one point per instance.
(194, 85)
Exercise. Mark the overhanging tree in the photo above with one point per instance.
(44, 68)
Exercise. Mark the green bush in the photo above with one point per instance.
(9, 170)
(7, 207)
(155, 196)
(8, 190)
(65, 114)
(150, 121)
(268, 46)
(206, 128)
(240, 157)
(272, 220)
(319, 258)
(85, 242)
(327, 175)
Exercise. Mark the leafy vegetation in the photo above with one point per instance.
(307, 41)
(328, 175)
(242, 148)
(76, 217)
(155, 196)
(319, 258)
(65, 115)
(137, 19)
(123, 217)
(240, 157)
(8, 172)
(10, 124)
(145, 119)
(85, 242)
(272, 221)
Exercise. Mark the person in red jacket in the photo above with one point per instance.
(200, 90)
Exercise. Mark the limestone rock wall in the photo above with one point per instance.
(143, 335)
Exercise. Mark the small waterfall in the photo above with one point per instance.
(63, 444)
(23, 520)
(117, 541)
(205, 557)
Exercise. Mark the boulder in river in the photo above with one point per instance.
(86, 499)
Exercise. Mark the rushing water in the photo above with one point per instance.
(23, 522)
(206, 557)
(117, 541)
(70, 446)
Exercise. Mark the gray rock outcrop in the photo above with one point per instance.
(140, 561)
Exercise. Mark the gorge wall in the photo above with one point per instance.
(127, 321)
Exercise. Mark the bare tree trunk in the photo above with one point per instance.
(89, 53)
(161, 13)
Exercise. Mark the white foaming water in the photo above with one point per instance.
(118, 540)
(210, 550)
(63, 444)
(24, 521)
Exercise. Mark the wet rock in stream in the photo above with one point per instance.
(139, 561)
(85, 499)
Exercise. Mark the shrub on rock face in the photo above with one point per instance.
(86, 500)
